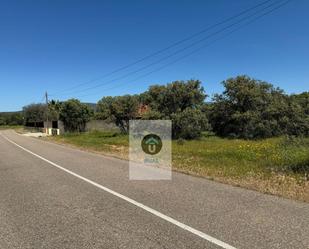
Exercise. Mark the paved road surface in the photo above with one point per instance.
(45, 206)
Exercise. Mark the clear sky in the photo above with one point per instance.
(54, 45)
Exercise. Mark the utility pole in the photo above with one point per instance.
(47, 111)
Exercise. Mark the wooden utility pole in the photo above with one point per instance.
(47, 111)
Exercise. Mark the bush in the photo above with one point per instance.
(180, 141)
(74, 115)
(34, 114)
(181, 102)
(174, 97)
(189, 123)
(120, 110)
(250, 109)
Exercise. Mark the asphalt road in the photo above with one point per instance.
(52, 196)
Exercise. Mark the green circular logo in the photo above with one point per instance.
(151, 144)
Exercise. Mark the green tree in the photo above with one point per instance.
(54, 108)
(152, 115)
(34, 114)
(74, 115)
(120, 110)
(180, 101)
(189, 123)
(15, 118)
(299, 114)
(303, 100)
(174, 97)
(2, 121)
(11, 118)
(250, 108)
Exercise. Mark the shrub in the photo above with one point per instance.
(250, 109)
(189, 123)
(74, 115)
(120, 110)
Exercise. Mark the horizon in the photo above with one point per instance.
(65, 44)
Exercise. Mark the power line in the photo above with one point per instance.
(196, 50)
(167, 48)
(178, 51)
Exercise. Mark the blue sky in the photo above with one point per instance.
(54, 45)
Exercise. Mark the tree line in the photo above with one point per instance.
(11, 118)
(247, 108)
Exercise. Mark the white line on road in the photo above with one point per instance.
(138, 204)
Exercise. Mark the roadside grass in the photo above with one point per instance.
(112, 143)
(8, 127)
(277, 166)
(238, 158)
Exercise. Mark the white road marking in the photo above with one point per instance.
(138, 204)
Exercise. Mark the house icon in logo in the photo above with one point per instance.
(151, 144)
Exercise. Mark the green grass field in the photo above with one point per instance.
(276, 165)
